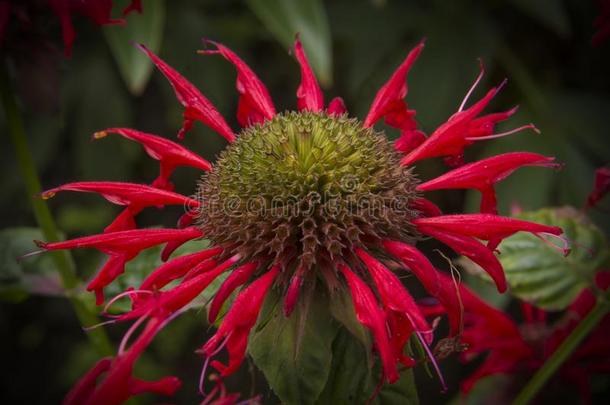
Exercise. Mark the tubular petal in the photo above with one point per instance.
(445, 291)
(389, 101)
(294, 290)
(492, 228)
(176, 268)
(197, 106)
(370, 315)
(461, 130)
(336, 107)
(425, 207)
(121, 246)
(83, 389)
(119, 385)
(472, 249)
(239, 321)
(309, 93)
(482, 175)
(135, 196)
(169, 154)
(238, 277)
(255, 105)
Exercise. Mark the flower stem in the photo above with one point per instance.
(62, 260)
(563, 352)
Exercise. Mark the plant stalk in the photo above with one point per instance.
(563, 352)
(62, 259)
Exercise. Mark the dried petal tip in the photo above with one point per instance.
(100, 134)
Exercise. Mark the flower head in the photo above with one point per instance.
(297, 198)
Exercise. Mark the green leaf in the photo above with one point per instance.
(286, 18)
(146, 28)
(295, 353)
(539, 274)
(33, 275)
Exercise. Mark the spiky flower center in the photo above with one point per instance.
(306, 188)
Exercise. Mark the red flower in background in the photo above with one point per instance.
(98, 11)
(521, 349)
(321, 164)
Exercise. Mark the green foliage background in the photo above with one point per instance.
(542, 46)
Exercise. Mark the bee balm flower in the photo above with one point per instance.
(300, 197)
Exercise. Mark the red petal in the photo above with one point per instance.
(294, 290)
(197, 106)
(409, 140)
(82, 390)
(492, 228)
(138, 195)
(472, 249)
(135, 5)
(238, 277)
(370, 315)
(239, 321)
(168, 153)
(176, 268)
(255, 105)
(482, 175)
(389, 101)
(336, 107)
(61, 8)
(124, 242)
(443, 290)
(309, 93)
(392, 292)
(601, 186)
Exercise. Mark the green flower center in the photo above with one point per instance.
(306, 188)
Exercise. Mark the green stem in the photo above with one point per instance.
(62, 259)
(563, 352)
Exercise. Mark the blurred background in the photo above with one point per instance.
(560, 81)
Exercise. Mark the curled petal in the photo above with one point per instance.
(309, 93)
(255, 105)
(139, 195)
(462, 129)
(439, 287)
(493, 228)
(370, 315)
(239, 321)
(169, 154)
(238, 277)
(166, 303)
(121, 246)
(389, 101)
(483, 175)
(118, 384)
(197, 106)
(176, 268)
(135, 196)
(392, 292)
(336, 107)
(474, 250)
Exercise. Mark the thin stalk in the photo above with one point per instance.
(62, 260)
(563, 352)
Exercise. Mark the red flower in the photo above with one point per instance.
(601, 187)
(262, 209)
(523, 349)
